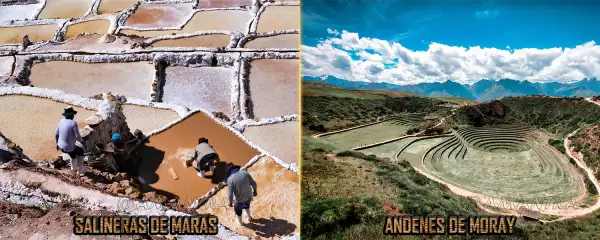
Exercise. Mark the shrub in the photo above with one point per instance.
(412, 130)
(355, 154)
(320, 217)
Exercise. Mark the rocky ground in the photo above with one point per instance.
(24, 222)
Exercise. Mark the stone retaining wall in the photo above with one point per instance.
(109, 119)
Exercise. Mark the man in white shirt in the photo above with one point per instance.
(67, 135)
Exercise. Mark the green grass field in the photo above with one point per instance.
(370, 134)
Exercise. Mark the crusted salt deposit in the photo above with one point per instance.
(90, 79)
(252, 36)
(181, 40)
(31, 122)
(228, 20)
(6, 66)
(235, 89)
(282, 41)
(65, 9)
(281, 139)
(160, 15)
(203, 87)
(53, 94)
(37, 33)
(271, 22)
(147, 118)
(112, 6)
(100, 26)
(20, 12)
(267, 74)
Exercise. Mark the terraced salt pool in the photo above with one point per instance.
(207, 41)
(131, 79)
(291, 41)
(232, 20)
(270, 19)
(91, 27)
(65, 9)
(268, 74)
(31, 123)
(160, 154)
(36, 33)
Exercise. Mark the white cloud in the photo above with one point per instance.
(333, 31)
(487, 13)
(441, 62)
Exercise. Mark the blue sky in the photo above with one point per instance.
(423, 41)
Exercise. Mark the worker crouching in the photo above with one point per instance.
(205, 158)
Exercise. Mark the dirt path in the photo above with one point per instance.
(348, 129)
(592, 101)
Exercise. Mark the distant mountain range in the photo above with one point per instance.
(483, 90)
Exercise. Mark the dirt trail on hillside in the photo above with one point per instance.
(592, 101)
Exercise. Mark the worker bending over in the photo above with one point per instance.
(205, 157)
(241, 188)
(67, 135)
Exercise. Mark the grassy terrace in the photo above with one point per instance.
(345, 194)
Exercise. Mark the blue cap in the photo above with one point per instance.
(116, 137)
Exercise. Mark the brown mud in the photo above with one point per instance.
(160, 154)
(275, 208)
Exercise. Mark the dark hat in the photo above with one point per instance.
(69, 112)
(201, 140)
